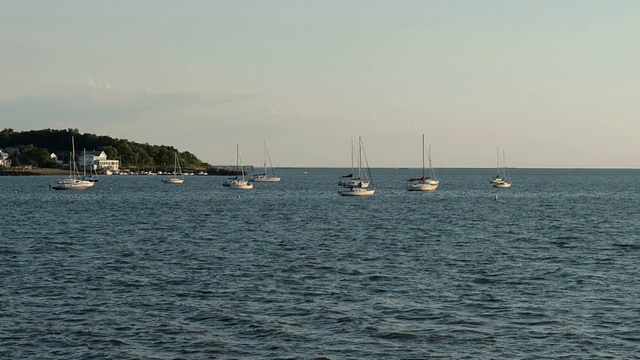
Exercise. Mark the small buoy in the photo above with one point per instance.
(496, 196)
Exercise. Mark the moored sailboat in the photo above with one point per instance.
(502, 179)
(177, 177)
(358, 186)
(424, 183)
(72, 182)
(239, 183)
(269, 174)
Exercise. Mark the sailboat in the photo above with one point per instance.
(177, 171)
(424, 183)
(358, 186)
(351, 179)
(502, 179)
(269, 174)
(72, 182)
(92, 171)
(239, 183)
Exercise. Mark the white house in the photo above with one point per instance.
(4, 159)
(98, 160)
(55, 158)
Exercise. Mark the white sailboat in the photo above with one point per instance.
(72, 182)
(358, 186)
(239, 183)
(352, 179)
(177, 173)
(424, 183)
(269, 174)
(502, 179)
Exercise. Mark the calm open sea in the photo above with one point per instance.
(135, 268)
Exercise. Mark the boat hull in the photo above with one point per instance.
(265, 179)
(240, 185)
(173, 181)
(356, 192)
(501, 185)
(422, 186)
(72, 184)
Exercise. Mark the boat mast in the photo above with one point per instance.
(352, 158)
(423, 156)
(504, 165)
(432, 172)
(359, 158)
(72, 164)
(264, 155)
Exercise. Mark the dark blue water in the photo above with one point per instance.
(135, 268)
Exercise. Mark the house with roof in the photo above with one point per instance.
(97, 160)
(55, 158)
(5, 161)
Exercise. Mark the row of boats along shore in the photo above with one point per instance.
(358, 183)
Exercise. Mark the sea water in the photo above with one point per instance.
(134, 268)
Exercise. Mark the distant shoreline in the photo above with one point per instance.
(33, 172)
(47, 171)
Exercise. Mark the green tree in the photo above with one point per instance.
(36, 156)
(15, 159)
(112, 153)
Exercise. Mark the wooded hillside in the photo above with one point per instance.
(34, 148)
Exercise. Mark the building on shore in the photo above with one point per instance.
(97, 160)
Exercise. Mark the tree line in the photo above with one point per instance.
(34, 148)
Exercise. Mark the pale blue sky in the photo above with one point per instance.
(555, 83)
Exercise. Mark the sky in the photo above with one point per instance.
(552, 83)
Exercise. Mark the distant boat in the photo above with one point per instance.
(502, 179)
(177, 172)
(239, 183)
(92, 171)
(269, 174)
(72, 183)
(358, 186)
(353, 180)
(424, 183)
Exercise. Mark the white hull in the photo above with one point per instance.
(72, 184)
(501, 185)
(354, 183)
(265, 179)
(240, 185)
(356, 192)
(173, 181)
(421, 186)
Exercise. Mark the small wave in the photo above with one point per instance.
(116, 342)
(482, 280)
(399, 335)
(628, 246)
